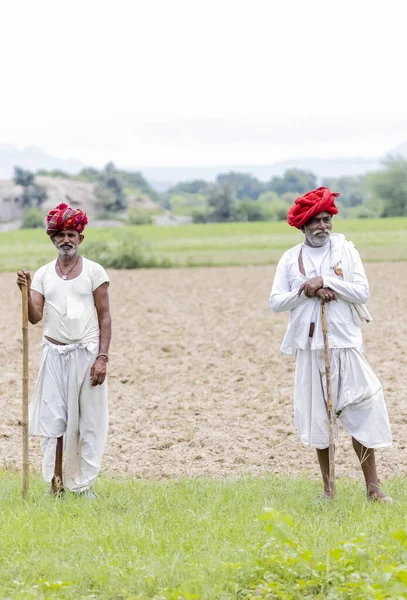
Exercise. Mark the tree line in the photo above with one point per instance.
(234, 196)
(242, 197)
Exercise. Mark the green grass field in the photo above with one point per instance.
(214, 244)
(202, 539)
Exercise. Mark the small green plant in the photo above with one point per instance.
(127, 253)
(139, 217)
(360, 568)
(106, 215)
(33, 218)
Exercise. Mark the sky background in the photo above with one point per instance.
(187, 82)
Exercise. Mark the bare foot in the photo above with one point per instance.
(324, 497)
(379, 496)
(57, 486)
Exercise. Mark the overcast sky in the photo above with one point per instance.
(213, 82)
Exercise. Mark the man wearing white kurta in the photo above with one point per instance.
(69, 407)
(329, 267)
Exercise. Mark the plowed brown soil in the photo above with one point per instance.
(197, 384)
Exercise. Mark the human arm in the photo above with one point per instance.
(355, 291)
(314, 288)
(101, 298)
(35, 299)
(282, 297)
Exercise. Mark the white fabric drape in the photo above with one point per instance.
(357, 398)
(65, 403)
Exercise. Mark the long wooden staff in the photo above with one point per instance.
(24, 290)
(331, 418)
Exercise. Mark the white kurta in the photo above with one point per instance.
(64, 402)
(357, 393)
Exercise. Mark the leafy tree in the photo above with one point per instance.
(247, 210)
(242, 184)
(289, 198)
(134, 182)
(33, 194)
(268, 196)
(186, 204)
(89, 174)
(23, 177)
(293, 180)
(110, 168)
(196, 186)
(54, 173)
(352, 189)
(276, 210)
(199, 216)
(390, 186)
(105, 198)
(33, 218)
(221, 203)
(109, 191)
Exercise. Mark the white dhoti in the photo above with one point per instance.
(66, 404)
(357, 398)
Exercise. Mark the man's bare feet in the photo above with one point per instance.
(324, 497)
(57, 486)
(379, 496)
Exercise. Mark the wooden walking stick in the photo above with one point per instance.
(24, 290)
(331, 418)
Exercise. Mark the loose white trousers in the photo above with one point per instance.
(66, 404)
(357, 398)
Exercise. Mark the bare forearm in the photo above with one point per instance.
(34, 314)
(105, 326)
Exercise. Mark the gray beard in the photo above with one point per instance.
(66, 252)
(317, 240)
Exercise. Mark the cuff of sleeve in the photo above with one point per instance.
(330, 282)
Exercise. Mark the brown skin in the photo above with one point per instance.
(316, 234)
(70, 263)
(367, 460)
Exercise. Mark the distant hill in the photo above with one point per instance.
(33, 158)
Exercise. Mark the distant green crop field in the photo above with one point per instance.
(214, 244)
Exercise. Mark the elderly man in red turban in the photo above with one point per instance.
(69, 407)
(328, 266)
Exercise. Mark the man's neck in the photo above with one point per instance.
(308, 243)
(67, 261)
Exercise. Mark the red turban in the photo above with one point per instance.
(311, 204)
(63, 217)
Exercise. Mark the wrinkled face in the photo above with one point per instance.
(318, 229)
(67, 242)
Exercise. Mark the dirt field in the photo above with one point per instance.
(197, 384)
